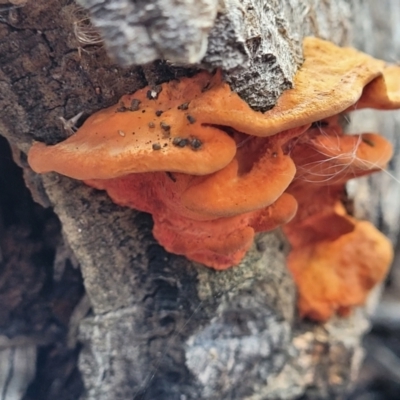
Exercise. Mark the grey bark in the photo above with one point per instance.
(163, 327)
(256, 43)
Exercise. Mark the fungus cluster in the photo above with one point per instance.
(213, 172)
(335, 259)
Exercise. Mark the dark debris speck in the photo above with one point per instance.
(153, 92)
(183, 106)
(122, 107)
(191, 119)
(180, 142)
(195, 143)
(134, 105)
(165, 127)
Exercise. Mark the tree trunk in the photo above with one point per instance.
(161, 326)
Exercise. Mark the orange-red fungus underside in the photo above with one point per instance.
(213, 172)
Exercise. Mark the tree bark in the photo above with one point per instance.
(163, 327)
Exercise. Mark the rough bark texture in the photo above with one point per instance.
(257, 43)
(161, 326)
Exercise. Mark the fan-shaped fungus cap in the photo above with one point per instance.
(330, 80)
(115, 150)
(222, 242)
(354, 155)
(326, 155)
(335, 260)
(335, 275)
(216, 242)
(383, 93)
(256, 178)
(277, 214)
(150, 130)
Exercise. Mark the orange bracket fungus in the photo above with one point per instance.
(213, 172)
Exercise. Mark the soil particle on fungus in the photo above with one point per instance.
(122, 108)
(153, 93)
(135, 103)
(183, 106)
(191, 119)
(165, 127)
(180, 142)
(195, 143)
(152, 125)
(156, 146)
(159, 112)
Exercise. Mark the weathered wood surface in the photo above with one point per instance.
(257, 43)
(163, 327)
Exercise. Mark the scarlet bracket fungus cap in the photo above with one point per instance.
(383, 93)
(227, 192)
(335, 259)
(222, 242)
(336, 275)
(330, 80)
(236, 189)
(326, 155)
(217, 242)
(114, 144)
(279, 213)
(354, 154)
(150, 130)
